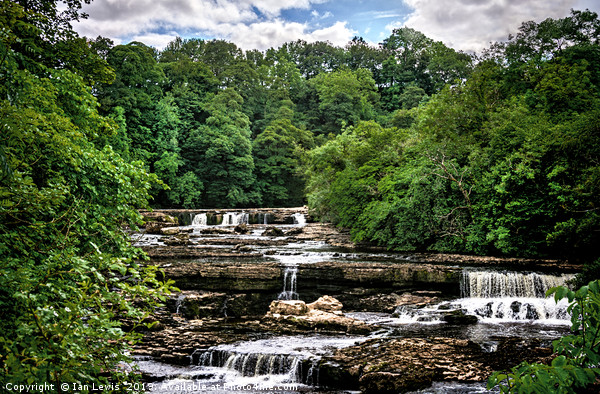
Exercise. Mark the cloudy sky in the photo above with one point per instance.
(468, 25)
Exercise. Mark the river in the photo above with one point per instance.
(230, 271)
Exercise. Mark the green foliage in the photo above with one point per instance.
(219, 153)
(68, 273)
(576, 365)
(504, 162)
(277, 153)
(345, 97)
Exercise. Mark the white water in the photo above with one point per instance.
(234, 218)
(517, 309)
(179, 302)
(199, 220)
(275, 360)
(299, 219)
(290, 280)
(497, 297)
(265, 217)
(491, 284)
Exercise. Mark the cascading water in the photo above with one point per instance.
(179, 303)
(290, 277)
(498, 296)
(276, 360)
(234, 218)
(286, 368)
(513, 296)
(299, 219)
(200, 220)
(488, 284)
(263, 218)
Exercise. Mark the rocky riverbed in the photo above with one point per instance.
(275, 276)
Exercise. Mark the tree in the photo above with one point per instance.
(136, 89)
(277, 154)
(68, 273)
(418, 61)
(345, 97)
(219, 152)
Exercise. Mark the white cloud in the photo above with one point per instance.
(264, 35)
(250, 24)
(155, 40)
(471, 25)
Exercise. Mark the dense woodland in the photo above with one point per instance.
(410, 144)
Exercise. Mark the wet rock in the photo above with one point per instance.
(155, 221)
(242, 248)
(175, 358)
(215, 230)
(294, 231)
(413, 378)
(363, 300)
(195, 305)
(175, 230)
(273, 232)
(156, 227)
(227, 277)
(458, 317)
(284, 307)
(241, 228)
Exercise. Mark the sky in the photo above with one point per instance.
(467, 25)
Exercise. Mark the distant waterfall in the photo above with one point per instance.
(488, 284)
(200, 220)
(234, 218)
(299, 219)
(179, 303)
(289, 284)
(289, 367)
(263, 218)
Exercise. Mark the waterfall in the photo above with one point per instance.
(179, 302)
(488, 284)
(199, 220)
(286, 366)
(234, 218)
(299, 219)
(289, 284)
(513, 296)
(496, 297)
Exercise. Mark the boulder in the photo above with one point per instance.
(170, 230)
(241, 228)
(327, 304)
(177, 240)
(294, 316)
(273, 232)
(155, 227)
(460, 318)
(294, 231)
(242, 248)
(155, 221)
(292, 307)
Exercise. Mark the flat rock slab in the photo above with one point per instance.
(406, 364)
